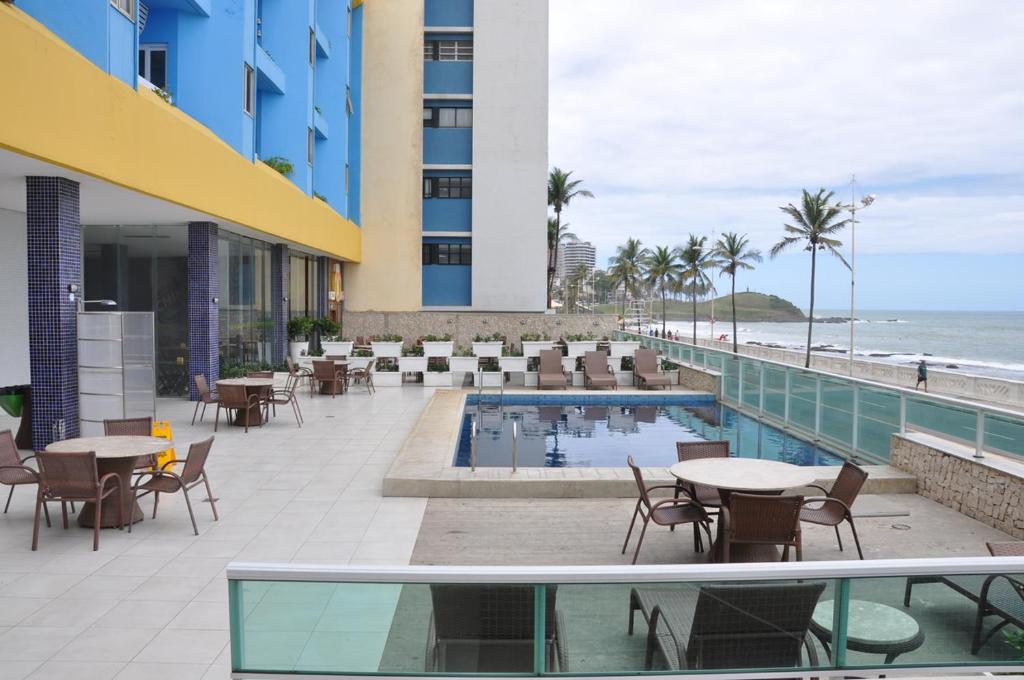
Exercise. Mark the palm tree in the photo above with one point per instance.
(575, 284)
(696, 259)
(661, 268)
(733, 253)
(557, 234)
(815, 225)
(561, 191)
(624, 269)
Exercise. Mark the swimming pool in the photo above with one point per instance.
(601, 430)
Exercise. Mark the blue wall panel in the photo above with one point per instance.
(122, 48)
(330, 79)
(448, 13)
(447, 214)
(354, 120)
(447, 285)
(447, 145)
(448, 77)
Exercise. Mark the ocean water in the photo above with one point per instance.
(984, 343)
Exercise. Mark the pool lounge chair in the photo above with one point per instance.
(645, 370)
(729, 626)
(551, 373)
(596, 372)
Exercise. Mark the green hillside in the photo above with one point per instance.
(749, 307)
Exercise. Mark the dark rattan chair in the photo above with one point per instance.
(836, 506)
(645, 370)
(489, 629)
(364, 375)
(164, 481)
(300, 373)
(65, 477)
(707, 496)
(236, 398)
(132, 427)
(205, 397)
(761, 626)
(596, 372)
(326, 374)
(760, 521)
(13, 471)
(286, 396)
(550, 371)
(668, 512)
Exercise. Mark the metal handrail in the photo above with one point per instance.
(515, 444)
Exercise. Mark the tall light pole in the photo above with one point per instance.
(865, 201)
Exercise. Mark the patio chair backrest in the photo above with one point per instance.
(232, 396)
(596, 363)
(291, 365)
(196, 461)
(323, 370)
(848, 483)
(8, 456)
(488, 612)
(760, 625)
(640, 485)
(68, 474)
(764, 519)
(702, 449)
(202, 387)
(645, 360)
(128, 427)
(550, 361)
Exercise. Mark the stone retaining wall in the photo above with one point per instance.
(700, 380)
(463, 326)
(975, 488)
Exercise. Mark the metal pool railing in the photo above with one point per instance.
(720, 620)
(852, 415)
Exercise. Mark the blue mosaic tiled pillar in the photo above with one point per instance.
(203, 312)
(54, 266)
(323, 285)
(280, 277)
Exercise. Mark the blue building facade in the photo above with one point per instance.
(447, 153)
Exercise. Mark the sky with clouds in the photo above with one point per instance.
(687, 116)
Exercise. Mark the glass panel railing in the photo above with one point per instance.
(837, 410)
(751, 383)
(1004, 434)
(878, 418)
(775, 391)
(942, 419)
(803, 399)
(731, 379)
(754, 618)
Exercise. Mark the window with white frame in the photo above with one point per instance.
(309, 145)
(447, 117)
(153, 64)
(126, 7)
(448, 50)
(249, 90)
(447, 187)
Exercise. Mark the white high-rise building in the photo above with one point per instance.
(572, 254)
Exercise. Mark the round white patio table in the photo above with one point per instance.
(117, 454)
(742, 475)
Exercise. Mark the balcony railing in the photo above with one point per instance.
(852, 415)
(733, 620)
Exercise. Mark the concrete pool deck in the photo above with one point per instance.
(424, 464)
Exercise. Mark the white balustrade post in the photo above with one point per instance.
(817, 405)
(856, 418)
(979, 434)
(789, 387)
(903, 414)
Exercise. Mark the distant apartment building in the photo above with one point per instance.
(572, 255)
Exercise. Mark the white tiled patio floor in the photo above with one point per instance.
(153, 604)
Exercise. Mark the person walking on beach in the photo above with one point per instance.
(922, 375)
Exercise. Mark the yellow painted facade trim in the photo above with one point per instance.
(60, 108)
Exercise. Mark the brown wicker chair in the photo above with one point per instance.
(205, 397)
(596, 372)
(667, 513)
(363, 375)
(761, 521)
(737, 626)
(550, 373)
(286, 396)
(707, 496)
(132, 427)
(489, 629)
(13, 471)
(325, 373)
(836, 506)
(65, 477)
(645, 370)
(300, 373)
(163, 480)
(235, 398)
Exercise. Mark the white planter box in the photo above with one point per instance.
(624, 378)
(441, 348)
(532, 348)
(387, 379)
(530, 379)
(568, 364)
(463, 364)
(577, 378)
(360, 362)
(491, 378)
(295, 349)
(436, 379)
(513, 364)
(673, 376)
(622, 348)
(342, 347)
(488, 349)
(386, 349)
(579, 348)
(412, 364)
